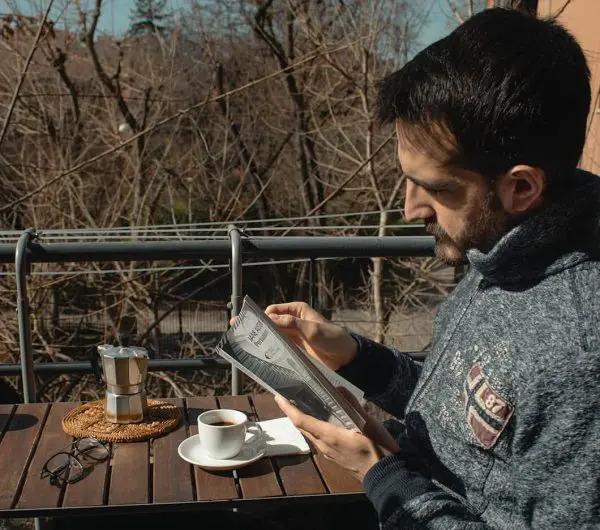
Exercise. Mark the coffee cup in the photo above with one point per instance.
(222, 432)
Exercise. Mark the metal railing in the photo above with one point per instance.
(27, 251)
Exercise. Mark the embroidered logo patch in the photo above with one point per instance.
(487, 411)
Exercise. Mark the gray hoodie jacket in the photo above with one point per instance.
(500, 427)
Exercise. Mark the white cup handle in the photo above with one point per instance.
(257, 433)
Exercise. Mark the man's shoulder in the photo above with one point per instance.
(563, 328)
(578, 278)
(556, 318)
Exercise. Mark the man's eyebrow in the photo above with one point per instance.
(431, 186)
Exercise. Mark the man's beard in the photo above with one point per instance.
(484, 228)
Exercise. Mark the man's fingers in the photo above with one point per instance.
(291, 308)
(297, 309)
(303, 332)
(307, 328)
(288, 325)
(283, 321)
(373, 429)
(320, 447)
(314, 441)
(302, 421)
(299, 419)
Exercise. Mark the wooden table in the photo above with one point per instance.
(150, 476)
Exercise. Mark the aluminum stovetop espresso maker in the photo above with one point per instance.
(125, 370)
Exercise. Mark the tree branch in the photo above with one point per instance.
(13, 101)
(166, 120)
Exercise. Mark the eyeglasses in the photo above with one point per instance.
(66, 467)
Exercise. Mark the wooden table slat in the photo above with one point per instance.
(6, 412)
(338, 480)
(17, 445)
(38, 492)
(210, 485)
(297, 473)
(171, 475)
(140, 473)
(258, 479)
(89, 491)
(265, 407)
(129, 473)
(240, 403)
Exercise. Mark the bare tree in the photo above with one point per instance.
(142, 131)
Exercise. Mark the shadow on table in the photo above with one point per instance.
(193, 413)
(19, 422)
(292, 460)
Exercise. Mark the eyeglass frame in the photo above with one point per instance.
(72, 455)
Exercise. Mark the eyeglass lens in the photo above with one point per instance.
(64, 467)
(91, 448)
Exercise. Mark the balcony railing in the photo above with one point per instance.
(236, 248)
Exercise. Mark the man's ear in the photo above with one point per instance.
(521, 189)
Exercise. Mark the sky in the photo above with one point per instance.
(115, 15)
(114, 18)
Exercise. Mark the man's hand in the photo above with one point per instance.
(329, 343)
(353, 451)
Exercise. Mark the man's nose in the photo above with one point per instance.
(416, 205)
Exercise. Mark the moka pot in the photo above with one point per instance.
(125, 371)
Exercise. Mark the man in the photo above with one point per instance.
(500, 427)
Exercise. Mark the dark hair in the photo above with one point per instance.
(507, 87)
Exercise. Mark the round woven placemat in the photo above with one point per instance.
(89, 420)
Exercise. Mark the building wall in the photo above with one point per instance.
(582, 19)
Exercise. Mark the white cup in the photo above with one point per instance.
(225, 441)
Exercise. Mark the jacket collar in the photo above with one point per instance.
(561, 234)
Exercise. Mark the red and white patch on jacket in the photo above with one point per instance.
(488, 413)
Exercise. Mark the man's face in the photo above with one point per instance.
(459, 208)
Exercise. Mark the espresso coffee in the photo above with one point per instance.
(222, 432)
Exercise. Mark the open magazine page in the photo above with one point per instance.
(257, 348)
(337, 380)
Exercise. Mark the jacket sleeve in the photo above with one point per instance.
(554, 470)
(386, 375)
(557, 442)
(405, 498)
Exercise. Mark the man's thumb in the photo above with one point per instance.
(288, 324)
(283, 321)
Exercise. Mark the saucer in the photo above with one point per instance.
(191, 451)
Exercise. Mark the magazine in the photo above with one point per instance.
(255, 346)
